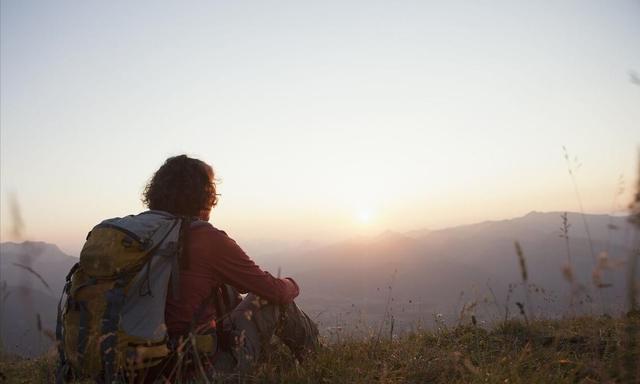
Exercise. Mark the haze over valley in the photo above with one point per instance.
(408, 278)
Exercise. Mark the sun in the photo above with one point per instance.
(364, 215)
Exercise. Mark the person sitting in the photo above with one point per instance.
(214, 270)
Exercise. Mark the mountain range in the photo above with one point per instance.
(412, 276)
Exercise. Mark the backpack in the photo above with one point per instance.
(111, 314)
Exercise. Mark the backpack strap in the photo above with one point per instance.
(181, 259)
(179, 255)
(221, 314)
(62, 371)
(83, 328)
(110, 322)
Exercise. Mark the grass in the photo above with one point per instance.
(581, 350)
(20, 370)
(543, 351)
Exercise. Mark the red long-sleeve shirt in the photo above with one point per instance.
(214, 259)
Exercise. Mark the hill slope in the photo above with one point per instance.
(583, 350)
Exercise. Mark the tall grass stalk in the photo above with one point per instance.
(17, 229)
(572, 167)
(568, 270)
(614, 206)
(525, 281)
(632, 350)
(634, 219)
(388, 311)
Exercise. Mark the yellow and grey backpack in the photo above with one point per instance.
(111, 313)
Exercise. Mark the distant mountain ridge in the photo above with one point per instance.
(441, 270)
(533, 224)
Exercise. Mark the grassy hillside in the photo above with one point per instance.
(583, 350)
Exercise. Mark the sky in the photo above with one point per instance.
(323, 120)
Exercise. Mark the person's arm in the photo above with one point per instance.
(234, 267)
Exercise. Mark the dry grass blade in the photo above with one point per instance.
(16, 214)
(525, 277)
(634, 77)
(634, 207)
(36, 274)
(632, 330)
(522, 261)
(634, 218)
(573, 166)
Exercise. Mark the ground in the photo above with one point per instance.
(582, 350)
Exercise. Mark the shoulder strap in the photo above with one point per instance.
(180, 259)
(62, 371)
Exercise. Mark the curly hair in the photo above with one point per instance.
(182, 186)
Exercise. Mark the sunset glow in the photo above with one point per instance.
(364, 216)
(401, 116)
